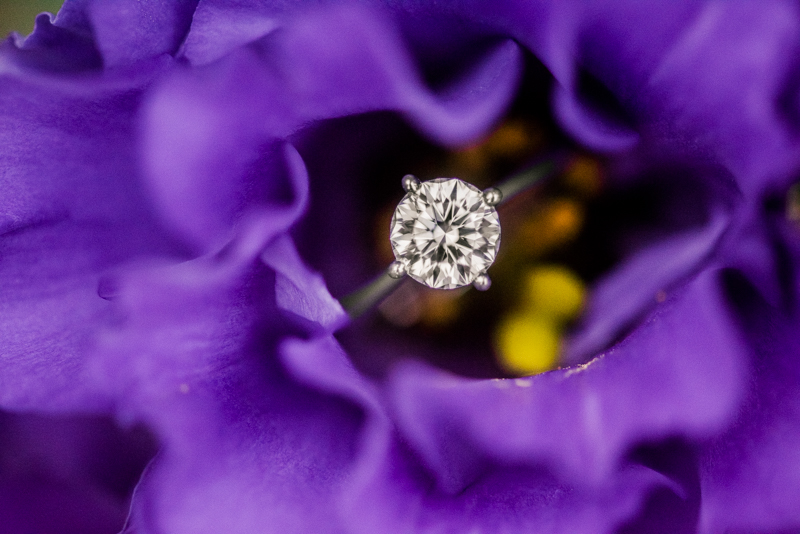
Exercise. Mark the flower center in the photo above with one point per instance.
(559, 238)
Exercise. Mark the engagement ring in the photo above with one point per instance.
(445, 234)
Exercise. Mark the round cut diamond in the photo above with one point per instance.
(445, 233)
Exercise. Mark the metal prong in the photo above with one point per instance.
(482, 282)
(410, 183)
(493, 196)
(396, 270)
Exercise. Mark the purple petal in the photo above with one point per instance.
(674, 70)
(218, 28)
(49, 313)
(67, 474)
(212, 135)
(625, 294)
(74, 15)
(300, 291)
(592, 129)
(390, 491)
(128, 31)
(66, 218)
(52, 47)
(581, 421)
(245, 448)
(33, 504)
(751, 473)
(394, 494)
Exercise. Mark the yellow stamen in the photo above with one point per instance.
(553, 291)
(556, 223)
(584, 176)
(793, 203)
(527, 343)
(441, 308)
(513, 139)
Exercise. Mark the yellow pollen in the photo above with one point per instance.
(793, 203)
(471, 161)
(527, 343)
(441, 308)
(514, 138)
(553, 291)
(556, 223)
(584, 176)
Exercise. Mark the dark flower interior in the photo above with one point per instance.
(583, 222)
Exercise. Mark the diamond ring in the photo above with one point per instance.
(445, 234)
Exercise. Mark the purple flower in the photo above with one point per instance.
(67, 474)
(170, 172)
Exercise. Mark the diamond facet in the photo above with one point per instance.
(445, 233)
